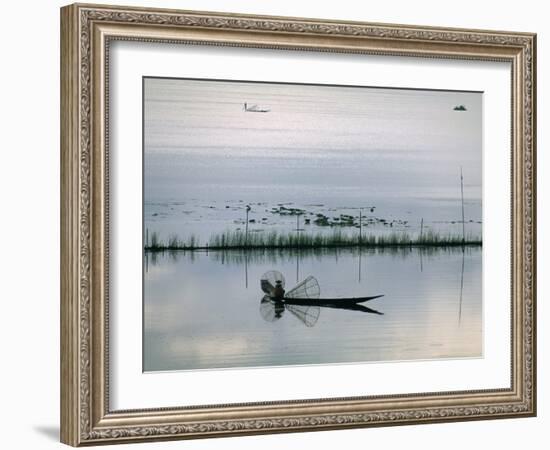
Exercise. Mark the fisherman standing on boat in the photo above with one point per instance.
(278, 291)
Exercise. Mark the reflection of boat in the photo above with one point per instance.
(255, 108)
(303, 301)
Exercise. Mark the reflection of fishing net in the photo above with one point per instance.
(269, 280)
(270, 310)
(309, 288)
(306, 314)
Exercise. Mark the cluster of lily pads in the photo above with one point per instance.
(342, 220)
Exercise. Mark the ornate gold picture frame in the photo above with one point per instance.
(87, 32)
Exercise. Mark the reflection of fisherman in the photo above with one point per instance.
(278, 291)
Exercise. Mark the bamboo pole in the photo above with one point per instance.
(246, 226)
(360, 227)
(462, 196)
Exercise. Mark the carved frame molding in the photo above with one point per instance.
(86, 32)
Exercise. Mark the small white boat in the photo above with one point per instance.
(255, 108)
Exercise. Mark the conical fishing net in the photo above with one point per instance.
(309, 288)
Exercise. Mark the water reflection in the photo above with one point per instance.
(274, 256)
(461, 289)
(272, 310)
(201, 308)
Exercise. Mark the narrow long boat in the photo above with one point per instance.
(305, 293)
(328, 301)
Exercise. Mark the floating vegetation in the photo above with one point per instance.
(321, 220)
(347, 220)
(284, 211)
(292, 240)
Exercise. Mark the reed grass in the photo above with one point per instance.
(173, 243)
(293, 240)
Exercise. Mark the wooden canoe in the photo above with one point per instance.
(329, 301)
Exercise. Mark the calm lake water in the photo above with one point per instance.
(395, 155)
(203, 310)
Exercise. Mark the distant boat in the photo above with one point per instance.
(255, 108)
(460, 108)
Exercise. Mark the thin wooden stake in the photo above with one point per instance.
(246, 227)
(462, 195)
(360, 227)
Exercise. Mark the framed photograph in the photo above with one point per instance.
(274, 224)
